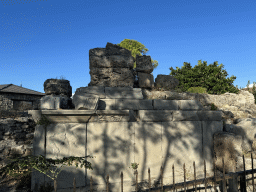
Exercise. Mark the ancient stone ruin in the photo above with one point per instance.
(113, 67)
(114, 87)
(57, 87)
(109, 67)
(58, 92)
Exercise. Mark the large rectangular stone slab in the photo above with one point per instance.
(118, 144)
(120, 77)
(124, 104)
(168, 143)
(38, 149)
(84, 116)
(177, 104)
(123, 92)
(209, 128)
(140, 104)
(93, 90)
(65, 140)
(85, 101)
(112, 144)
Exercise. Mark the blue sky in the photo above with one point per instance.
(48, 39)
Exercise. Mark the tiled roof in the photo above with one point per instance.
(10, 88)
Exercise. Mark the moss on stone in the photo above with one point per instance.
(43, 121)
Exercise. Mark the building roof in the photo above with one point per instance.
(10, 88)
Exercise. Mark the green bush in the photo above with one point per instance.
(211, 77)
(197, 90)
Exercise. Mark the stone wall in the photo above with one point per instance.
(14, 133)
(10, 101)
(16, 136)
(243, 99)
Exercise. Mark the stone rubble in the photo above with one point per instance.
(16, 137)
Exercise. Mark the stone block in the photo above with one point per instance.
(111, 77)
(145, 80)
(144, 64)
(111, 49)
(112, 61)
(55, 102)
(57, 87)
(85, 101)
(98, 90)
(111, 66)
(166, 81)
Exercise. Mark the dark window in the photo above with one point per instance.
(17, 105)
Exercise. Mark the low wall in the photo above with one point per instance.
(16, 137)
(156, 138)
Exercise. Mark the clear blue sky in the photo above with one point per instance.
(48, 39)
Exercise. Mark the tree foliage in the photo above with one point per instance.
(136, 48)
(211, 77)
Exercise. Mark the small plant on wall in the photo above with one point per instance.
(61, 78)
(43, 121)
(213, 107)
(134, 165)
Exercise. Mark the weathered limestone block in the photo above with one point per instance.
(111, 49)
(111, 77)
(166, 81)
(57, 87)
(111, 66)
(144, 64)
(93, 90)
(55, 102)
(145, 80)
(85, 101)
(111, 61)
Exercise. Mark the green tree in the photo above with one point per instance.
(136, 48)
(211, 77)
